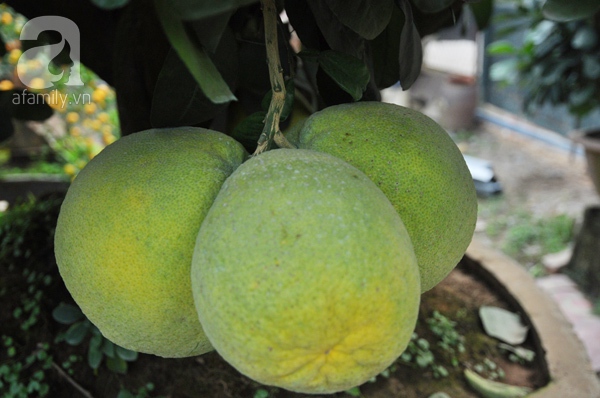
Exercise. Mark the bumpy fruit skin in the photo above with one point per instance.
(127, 230)
(303, 274)
(418, 167)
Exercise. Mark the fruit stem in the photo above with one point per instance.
(271, 130)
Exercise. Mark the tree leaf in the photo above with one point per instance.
(67, 314)
(110, 4)
(430, 6)
(116, 365)
(591, 67)
(368, 18)
(77, 332)
(209, 31)
(338, 36)
(196, 59)
(504, 71)
(570, 10)
(95, 354)
(482, 11)
(125, 354)
(350, 73)
(177, 98)
(198, 9)
(108, 348)
(411, 51)
(501, 47)
(503, 325)
(585, 38)
(386, 51)
(248, 130)
(494, 389)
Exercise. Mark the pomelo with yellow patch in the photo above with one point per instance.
(126, 234)
(418, 167)
(303, 274)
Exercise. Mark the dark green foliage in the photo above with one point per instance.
(558, 62)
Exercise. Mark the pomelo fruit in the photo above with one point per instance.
(303, 274)
(418, 167)
(127, 230)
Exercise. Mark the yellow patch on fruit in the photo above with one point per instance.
(303, 274)
(126, 233)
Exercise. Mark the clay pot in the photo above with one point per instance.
(590, 139)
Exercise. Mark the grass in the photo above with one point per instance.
(523, 236)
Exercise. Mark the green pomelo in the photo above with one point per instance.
(304, 276)
(418, 167)
(127, 230)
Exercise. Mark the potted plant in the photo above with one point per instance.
(558, 63)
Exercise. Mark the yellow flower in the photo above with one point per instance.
(107, 129)
(6, 85)
(108, 138)
(56, 100)
(69, 169)
(72, 117)
(96, 124)
(75, 131)
(99, 95)
(6, 18)
(14, 55)
(37, 83)
(89, 108)
(104, 117)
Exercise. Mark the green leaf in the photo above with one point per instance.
(386, 51)
(411, 50)
(570, 10)
(125, 394)
(579, 97)
(354, 392)
(585, 38)
(196, 59)
(178, 100)
(591, 67)
(482, 10)
(77, 332)
(198, 9)
(116, 365)
(249, 129)
(501, 47)
(67, 314)
(493, 389)
(504, 71)
(209, 31)
(368, 18)
(95, 354)
(431, 6)
(350, 73)
(108, 348)
(337, 35)
(110, 4)
(125, 354)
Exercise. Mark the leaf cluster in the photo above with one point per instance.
(557, 63)
(350, 50)
(99, 348)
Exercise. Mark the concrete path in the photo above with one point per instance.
(578, 310)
